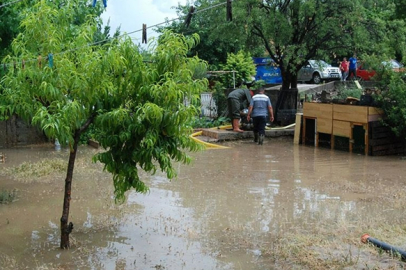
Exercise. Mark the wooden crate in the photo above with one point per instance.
(342, 128)
(339, 120)
(356, 114)
(349, 113)
(317, 110)
(323, 113)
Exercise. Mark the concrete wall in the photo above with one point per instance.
(15, 132)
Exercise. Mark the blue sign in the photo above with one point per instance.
(269, 74)
(262, 60)
(267, 70)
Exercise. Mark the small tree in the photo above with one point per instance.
(244, 68)
(136, 105)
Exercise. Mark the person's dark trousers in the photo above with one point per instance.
(259, 124)
(352, 72)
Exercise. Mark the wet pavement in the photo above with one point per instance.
(230, 209)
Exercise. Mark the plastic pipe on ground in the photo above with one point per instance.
(211, 145)
(206, 144)
(274, 128)
(394, 250)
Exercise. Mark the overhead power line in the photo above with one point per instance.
(128, 33)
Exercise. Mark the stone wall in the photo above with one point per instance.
(15, 132)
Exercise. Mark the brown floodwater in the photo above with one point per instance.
(225, 210)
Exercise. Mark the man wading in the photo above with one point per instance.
(259, 107)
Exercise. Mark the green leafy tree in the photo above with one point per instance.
(392, 100)
(214, 46)
(292, 32)
(9, 21)
(12, 14)
(135, 105)
(243, 66)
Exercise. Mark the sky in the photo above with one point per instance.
(132, 14)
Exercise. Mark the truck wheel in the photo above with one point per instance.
(316, 78)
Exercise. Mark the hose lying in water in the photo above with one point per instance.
(393, 250)
(274, 128)
(208, 145)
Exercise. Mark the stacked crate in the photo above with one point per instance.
(339, 121)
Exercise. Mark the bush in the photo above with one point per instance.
(393, 102)
(343, 93)
(243, 65)
(7, 196)
(205, 122)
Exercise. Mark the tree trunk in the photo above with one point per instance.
(286, 105)
(66, 228)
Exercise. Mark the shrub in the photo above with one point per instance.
(7, 196)
(393, 102)
(343, 93)
(205, 122)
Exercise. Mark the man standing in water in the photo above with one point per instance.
(259, 108)
(237, 100)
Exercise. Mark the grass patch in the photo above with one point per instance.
(35, 170)
(7, 196)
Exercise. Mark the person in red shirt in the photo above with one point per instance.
(344, 69)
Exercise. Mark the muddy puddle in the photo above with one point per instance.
(276, 206)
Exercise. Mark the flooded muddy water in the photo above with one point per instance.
(276, 206)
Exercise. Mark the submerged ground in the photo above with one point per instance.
(276, 206)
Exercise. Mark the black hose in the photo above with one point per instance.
(393, 250)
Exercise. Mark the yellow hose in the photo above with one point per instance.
(275, 128)
(211, 145)
(285, 127)
(208, 145)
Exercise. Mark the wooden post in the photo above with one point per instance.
(366, 139)
(304, 130)
(351, 139)
(298, 124)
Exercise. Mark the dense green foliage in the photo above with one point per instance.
(206, 122)
(11, 16)
(392, 99)
(214, 46)
(243, 66)
(146, 128)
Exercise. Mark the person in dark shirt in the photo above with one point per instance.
(237, 100)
